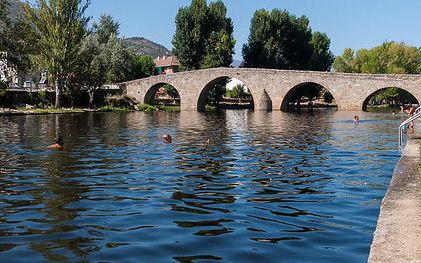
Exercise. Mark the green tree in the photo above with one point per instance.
(104, 58)
(59, 26)
(322, 58)
(387, 58)
(171, 91)
(15, 42)
(106, 28)
(280, 40)
(120, 61)
(203, 36)
(144, 66)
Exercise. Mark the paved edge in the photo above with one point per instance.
(397, 237)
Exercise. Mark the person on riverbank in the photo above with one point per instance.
(58, 145)
(166, 138)
(410, 110)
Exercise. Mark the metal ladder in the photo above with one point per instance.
(402, 127)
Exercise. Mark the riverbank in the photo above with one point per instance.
(398, 233)
(22, 111)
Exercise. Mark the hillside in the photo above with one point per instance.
(143, 46)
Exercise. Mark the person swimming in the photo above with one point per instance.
(58, 145)
(356, 118)
(166, 138)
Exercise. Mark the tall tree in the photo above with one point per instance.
(60, 26)
(280, 40)
(104, 58)
(322, 58)
(106, 28)
(203, 36)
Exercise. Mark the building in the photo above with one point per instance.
(166, 65)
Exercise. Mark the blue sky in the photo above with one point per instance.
(348, 23)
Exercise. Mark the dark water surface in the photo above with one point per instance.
(271, 186)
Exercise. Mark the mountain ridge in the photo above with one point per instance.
(144, 46)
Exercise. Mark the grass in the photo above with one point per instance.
(45, 111)
(383, 108)
(152, 108)
(112, 109)
(170, 108)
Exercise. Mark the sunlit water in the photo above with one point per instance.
(271, 186)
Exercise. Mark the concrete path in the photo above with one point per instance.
(398, 233)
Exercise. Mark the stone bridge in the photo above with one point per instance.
(272, 89)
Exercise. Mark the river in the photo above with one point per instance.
(270, 187)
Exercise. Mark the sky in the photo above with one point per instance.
(348, 23)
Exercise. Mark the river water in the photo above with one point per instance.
(270, 187)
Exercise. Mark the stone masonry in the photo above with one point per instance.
(271, 89)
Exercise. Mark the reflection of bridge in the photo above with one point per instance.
(273, 89)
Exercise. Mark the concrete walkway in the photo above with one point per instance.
(398, 233)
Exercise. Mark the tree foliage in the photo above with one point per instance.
(103, 57)
(59, 27)
(144, 66)
(171, 91)
(15, 42)
(203, 37)
(387, 58)
(280, 40)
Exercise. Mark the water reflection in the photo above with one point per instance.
(268, 185)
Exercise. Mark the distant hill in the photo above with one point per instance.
(143, 46)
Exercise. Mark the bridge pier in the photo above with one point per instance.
(349, 105)
(262, 102)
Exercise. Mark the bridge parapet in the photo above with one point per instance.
(270, 87)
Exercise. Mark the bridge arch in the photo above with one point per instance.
(411, 99)
(301, 89)
(151, 92)
(203, 96)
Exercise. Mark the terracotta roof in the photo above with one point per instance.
(166, 61)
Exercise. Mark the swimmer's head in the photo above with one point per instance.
(167, 138)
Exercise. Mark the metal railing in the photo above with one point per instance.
(402, 127)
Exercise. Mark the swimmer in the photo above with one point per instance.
(208, 141)
(166, 138)
(356, 118)
(58, 145)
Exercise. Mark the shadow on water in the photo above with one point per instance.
(268, 185)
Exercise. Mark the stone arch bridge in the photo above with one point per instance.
(272, 89)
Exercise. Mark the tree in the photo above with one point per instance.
(15, 42)
(280, 40)
(171, 91)
(92, 68)
(120, 61)
(106, 28)
(322, 58)
(59, 27)
(144, 66)
(104, 58)
(387, 58)
(203, 36)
